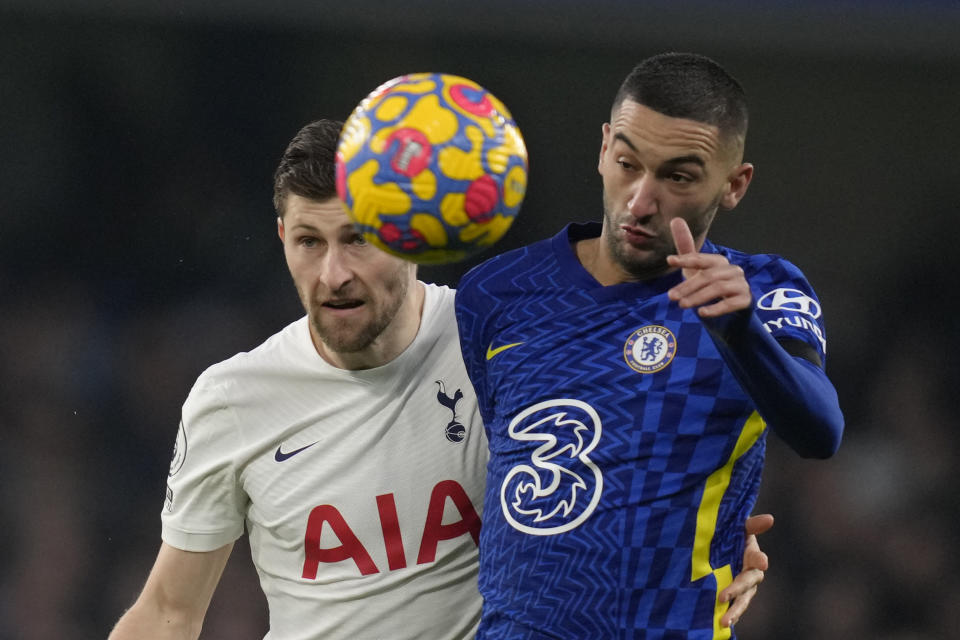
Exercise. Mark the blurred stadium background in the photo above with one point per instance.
(137, 246)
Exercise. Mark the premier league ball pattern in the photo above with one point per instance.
(432, 168)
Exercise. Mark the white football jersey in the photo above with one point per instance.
(361, 491)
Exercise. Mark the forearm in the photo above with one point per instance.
(793, 396)
(147, 620)
(175, 598)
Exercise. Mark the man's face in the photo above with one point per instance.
(352, 291)
(656, 168)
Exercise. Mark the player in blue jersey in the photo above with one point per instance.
(626, 373)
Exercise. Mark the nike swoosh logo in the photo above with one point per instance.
(280, 456)
(492, 352)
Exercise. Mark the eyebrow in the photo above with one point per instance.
(309, 227)
(692, 158)
(625, 140)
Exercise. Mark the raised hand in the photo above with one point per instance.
(711, 284)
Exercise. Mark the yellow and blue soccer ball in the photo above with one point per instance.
(432, 168)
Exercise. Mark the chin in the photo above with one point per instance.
(340, 343)
(341, 336)
(643, 268)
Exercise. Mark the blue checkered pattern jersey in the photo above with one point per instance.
(625, 453)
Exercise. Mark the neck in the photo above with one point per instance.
(594, 255)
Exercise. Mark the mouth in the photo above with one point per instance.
(637, 236)
(342, 305)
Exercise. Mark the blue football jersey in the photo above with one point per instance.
(624, 455)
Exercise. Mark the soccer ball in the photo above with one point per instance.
(431, 168)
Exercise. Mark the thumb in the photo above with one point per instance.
(682, 238)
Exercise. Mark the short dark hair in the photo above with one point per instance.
(690, 86)
(308, 166)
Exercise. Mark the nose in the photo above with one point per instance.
(335, 268)
(644, 199)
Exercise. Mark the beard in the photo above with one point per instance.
(350, 336)
(652, 261)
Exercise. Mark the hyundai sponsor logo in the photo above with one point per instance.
(799, 323)
(789, 300)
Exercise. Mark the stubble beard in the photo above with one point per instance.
(639, 266)
(344, 335)
(653, 262)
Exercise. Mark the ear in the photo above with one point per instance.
(603, 145)
(280, 228)
(737, 183)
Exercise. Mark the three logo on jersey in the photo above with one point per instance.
(561, 486)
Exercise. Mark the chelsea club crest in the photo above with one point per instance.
(649, 349)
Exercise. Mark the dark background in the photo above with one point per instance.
(138, 246)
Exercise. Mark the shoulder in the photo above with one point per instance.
(213, 387)
(784, 300)
(438, 305)
(765, 269)
(436, 296)
(491, 270)
(505, 270)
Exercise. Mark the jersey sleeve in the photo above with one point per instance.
(787, 306)
(791, 391)
(204, 506)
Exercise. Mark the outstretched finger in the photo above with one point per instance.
(738, 607)
(682, 238)
(760, 523)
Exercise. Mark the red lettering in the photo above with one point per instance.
(350, 546)
(434, 530)
(390, 525)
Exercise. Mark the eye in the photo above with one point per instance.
(680, 178)
(307, 242)
(626, 165)
(359, 240)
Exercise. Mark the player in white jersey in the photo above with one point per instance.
(348, 445)
(354, 484)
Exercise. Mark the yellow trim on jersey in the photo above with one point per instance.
(713, 491)
(724, 576)
(492, 352)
